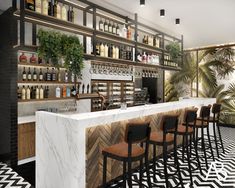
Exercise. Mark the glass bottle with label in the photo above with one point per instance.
(41, 93)
(101, 25)
(29, 77)
(48, 75)
(64, 13)
(40, 75)
(64, 91)
(35, 76)
(33, 59)
(58, 11)
(68, 92)
(66, 76)
(24, 75)
(106, 27)
(114, 29)
(106, 50)
(110, 27)
(117, 52)
(118, 30)
(23, 58)
(28, 93)
(102, 53)
(23, 93)
(37, 93)
(59, 76)
(57, 92)
(53, 75)
(38, 6)
(45, 7)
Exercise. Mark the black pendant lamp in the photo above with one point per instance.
(177, 21)
(162, 12)
(142, 3)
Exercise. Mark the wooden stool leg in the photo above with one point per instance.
(220, 137)
(215, 138)
(203, 147)
(154, 164)
(165, 164)
(104, 170)
(141, 173)
(147, 170)
(183, 149)
(129, 174)
(195, 137)
(209, 140)
(188, 158)
(124, 175)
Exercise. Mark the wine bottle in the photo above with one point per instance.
(30, 4)
(83, 88)
(117, 53)
(29, 77)
(31, 93)
(88, 88)
(97, 48)
(64, 13)
(48, 75)
(66, 76)
(57, 92)
(28, 93)
(50, 8)
(40, 75)
(114, 52)
(55, 8)
(124, 31)
(102, 53)
(46, 92)
(23, 58)
(106, 50)
(23, 93)
(59, 76)
(114, 29)
(58, 11)
(53, 75)
(110, 51)
(24, 76)
(18, 93)
(118, 30)
(38, 6)
(41, 93)
(110, 27)
(35, 76)
(70, 14)
(37, 93)
(101, 25)
(45, 7)
(106, 27)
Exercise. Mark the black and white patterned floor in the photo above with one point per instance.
(228, 160)
(10, 179)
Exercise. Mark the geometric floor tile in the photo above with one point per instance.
(10, 179)
(227, 177)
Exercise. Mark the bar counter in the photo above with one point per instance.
(68, 147)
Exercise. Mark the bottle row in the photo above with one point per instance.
(36, 92)
(51, 8)
(151, 40)
(116, 52)
(148, 58)
(49, 75)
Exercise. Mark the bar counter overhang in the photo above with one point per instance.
(68, 147)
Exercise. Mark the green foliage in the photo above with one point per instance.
(174, 51)
(54, 46)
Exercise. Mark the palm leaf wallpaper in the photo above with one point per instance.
(215, 71)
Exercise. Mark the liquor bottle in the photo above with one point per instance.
(118, 30)
(64, 13)
(59, 76)
(66, 76)
(50, 8)
(40, 75)
(117, 53)
(23, 93)
(48, 75)
(110, 27)
(97, 48)
(114, 29)
(38, 6)
(55, 8)
(45, 7)
(29, 77)
(28, 93)
(68, 92)
(18, 93)
(78, 89)
(72, 77)
(114, 52)
(102, 53)
(106, 27)
(30, 4)
(23, 58)
(37, 93)
(124, 31)
(106, 50)
(73, 91)
(24, 76)
(31, 93)
(110, 51)
(35, 76)
(57, 92)
(147, 40)
(70, 16)
(46, 92)
(53, 75)
(129, 33)
(88, 88)
(41, 93)
(101, 25)
(64, 91)
(154, 41)
(58, 11)
(83, 88)
(33, 59)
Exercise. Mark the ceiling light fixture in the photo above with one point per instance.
(162, 12)
(177, 21)
(142, 3)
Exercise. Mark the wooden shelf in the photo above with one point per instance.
(150, 48)
(47, 83)
(37, 65)
(87, 96)
(45, 100)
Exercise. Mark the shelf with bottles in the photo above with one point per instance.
(45, 100)
(148, 58)
(35, 93)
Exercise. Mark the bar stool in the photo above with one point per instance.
(187, 132)
(128, 151)
(166, 137)
(216, 108)
(203, 123)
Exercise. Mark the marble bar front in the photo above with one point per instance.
(68, 147)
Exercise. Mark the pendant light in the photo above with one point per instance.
(142, 3)
(162, 12)
(177, 21)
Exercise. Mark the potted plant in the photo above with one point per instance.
(174, 50)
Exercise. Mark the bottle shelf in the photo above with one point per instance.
(37, 65)
(150, 48)
(50, 21)
(45, 100)
(46, 83)
(87, 96)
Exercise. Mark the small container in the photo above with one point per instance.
(57, 92)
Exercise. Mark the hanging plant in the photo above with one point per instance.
(53, 46)
(72, 51)
(49, 46)
(174, 50)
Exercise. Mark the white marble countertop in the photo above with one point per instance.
(26, 119)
